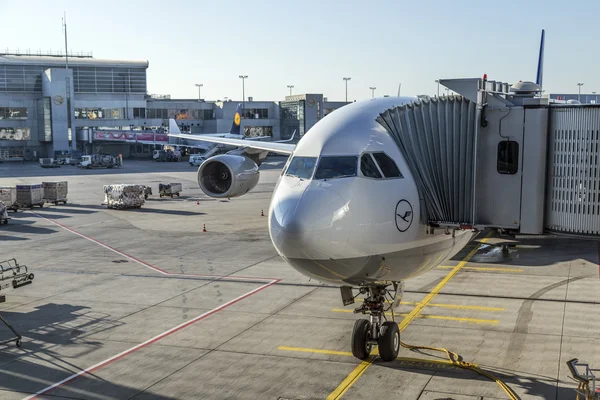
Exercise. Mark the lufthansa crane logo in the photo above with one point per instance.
(58, 100)
(237, 119)
(404, 215)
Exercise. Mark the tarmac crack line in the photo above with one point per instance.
(562, 333)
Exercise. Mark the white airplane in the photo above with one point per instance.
(234, 132)
(345, 211)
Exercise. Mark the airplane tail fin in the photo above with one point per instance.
(540, 68)
(173, 128)
(237, 120)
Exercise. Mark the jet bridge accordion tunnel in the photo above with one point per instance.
(490, 158)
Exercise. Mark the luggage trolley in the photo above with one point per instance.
(3, 214)
(10, 270)
(587, 380)
(169, 189)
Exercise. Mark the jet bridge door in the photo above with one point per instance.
(499, 168)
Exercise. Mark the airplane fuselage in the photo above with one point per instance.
(354, 225)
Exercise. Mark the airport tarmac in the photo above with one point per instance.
(142, 304)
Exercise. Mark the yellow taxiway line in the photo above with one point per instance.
(375, 352)
(487, 269)
(452, 306)
(343, 387)
(442, 317)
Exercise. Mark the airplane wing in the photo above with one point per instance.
(275, 147)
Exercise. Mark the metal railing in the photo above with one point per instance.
(47, 53)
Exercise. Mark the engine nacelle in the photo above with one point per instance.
(227, 175)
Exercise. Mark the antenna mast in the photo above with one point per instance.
(64, 25)
(399, 87)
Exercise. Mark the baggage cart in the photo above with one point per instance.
(8, 196)
(147, 191)
(169, 189)
(15, 275)
(30, 195)
(3, 214)
(55, 192)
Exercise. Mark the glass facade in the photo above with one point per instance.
(258, 131)
(28, 78)
(13, 113)
(256, 113)
(99, 113)
(15, 133)
(291, 118)
(179, 114)
(47, 132)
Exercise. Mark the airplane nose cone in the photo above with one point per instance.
(290, 224)
(307, 224)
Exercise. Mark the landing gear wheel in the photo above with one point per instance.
(19, 343)
(361, 337)
(389, 341)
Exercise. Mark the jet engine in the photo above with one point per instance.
(227, 175)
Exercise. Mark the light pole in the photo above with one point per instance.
(372, 91)
(438, 89)
(595, 97)
(347, 79)
(290, 87)
(447, 92)
(579, 95)
(199, 85)
(243, 78)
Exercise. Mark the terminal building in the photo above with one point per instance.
(583, 98)
(51, 104)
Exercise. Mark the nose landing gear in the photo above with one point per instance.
(377, 330)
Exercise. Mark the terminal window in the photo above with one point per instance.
(508, 157)
(13, 113)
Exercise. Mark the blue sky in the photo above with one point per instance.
(313, 44)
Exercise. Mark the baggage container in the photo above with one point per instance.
(123, 196)
(3, 214)
(8, 196)
(55, 192)
(30, 195)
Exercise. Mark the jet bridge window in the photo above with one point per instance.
(508, 157)
(336, 167)
(368, 167)
(387, 165)
(301, 167)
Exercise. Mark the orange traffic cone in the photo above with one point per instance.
(262, 214)
(204, 228)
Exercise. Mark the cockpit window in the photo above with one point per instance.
(387, 165)
(368, 167)
(336, 167)
(301, 167)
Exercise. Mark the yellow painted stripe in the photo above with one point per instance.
(488, 269)
(349, 354)
(318, 351)
(453, 306)
(459, 319)
(462, 307)
(362, 367)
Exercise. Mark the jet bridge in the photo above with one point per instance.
(500, 156)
